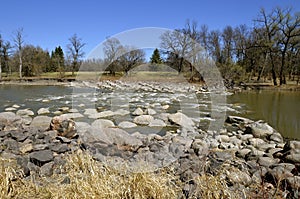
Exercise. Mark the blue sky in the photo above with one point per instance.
(50, 23)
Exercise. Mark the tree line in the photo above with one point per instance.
(268, 50)
(29, 60)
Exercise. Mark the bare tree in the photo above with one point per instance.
(113, 49)
(179, 44)
(75, 51)
(131, 59)
(19, 41)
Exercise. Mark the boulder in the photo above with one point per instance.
(72, 115)
(126, 125)
(259, 130)
(102, 114)
(138, 112)
(102, 123)
(42, 157)
(157, 123)
(41, 122)
(143, 119)
(109, 136)
(90, 111)
(237, 120)
(42, 111)
(181, 120)
(9, 121)
(63, 126)
(150, 111)
(25, 112)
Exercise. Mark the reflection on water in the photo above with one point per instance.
(281, 109)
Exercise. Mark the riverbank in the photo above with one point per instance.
(244, 159)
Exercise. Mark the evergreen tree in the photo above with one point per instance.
(58, 61)
(155, 59)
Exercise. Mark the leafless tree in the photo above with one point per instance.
(75, 51)
(19, 41)
(113, 49)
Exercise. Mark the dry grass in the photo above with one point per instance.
(87, 178)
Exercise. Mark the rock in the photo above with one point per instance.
(276, 137)
(157, 123)
(102, 123)
(222, 138)
(239, 177)
(41, 122)
(143, 119)
(64, 109)
(27, 120)
(25, 112)
(237, 120)
(73, 110)
(256, 142)
(42, 111)
(9, 121)
(259, 130)
(26, 148)
(121, 112)
(181, 119)
(138, 112)
(10, 109)
(165, 107)
(102, 115)
(40, 158)
(60, 148)
(243, 152)
(47, 169)
(150, 111)
(109, 136)
(64, 127)
(126, 125)
(292, 145)
(72, 115)
(294, 157)
(200, 147)
(16, 106)
(82, 126)
(90, 111)
(267, 161)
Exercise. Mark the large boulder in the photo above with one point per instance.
(63, 126)
(126, 124)
(109, 136)
(259, 129)
(41, 122)
(25, 112)
(103, 123)
(42, 111)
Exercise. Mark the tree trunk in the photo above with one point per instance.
(180, 65)
(20, 66)
(281, 73)
(273, 70)
(0, 71)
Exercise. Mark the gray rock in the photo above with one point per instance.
(82, 126)
(259, 130)
(276, 137)
(256, 142)
(109, 136)
(41, 122)
(102, 114)
(10, 109)
(121, 112)
(222, 138)
(138, 112)
(238, 120)
(9, 121)
(72, 115)
(42, 111)
(157, 123)
(102, 123)
(90, 111)
(60, 148)
(143, 119)
(239, 177)
(181, 119)
(267, 161)
(294, 157)
(47, 169)
(150, 111)
(26, 120)
(126, 124)
(25, 112)
(40, 158)
(243, 152)
(200, 147)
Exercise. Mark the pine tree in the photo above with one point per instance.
(155, 59)
(58, 61)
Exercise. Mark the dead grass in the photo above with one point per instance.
(87, 178)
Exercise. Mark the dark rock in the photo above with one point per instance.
(40, 158)
(47, 169)
(60, 148)
(238, 120)
(9, 121)
(18, 135)
(63, 139)
(66, 180)
(11, 144)
(22, 161)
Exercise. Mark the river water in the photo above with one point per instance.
(280, 109)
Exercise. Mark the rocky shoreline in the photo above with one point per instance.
(243, 152)
(249, 152)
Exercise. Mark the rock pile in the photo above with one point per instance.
(248, 152)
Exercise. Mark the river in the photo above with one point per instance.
(281, 109)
